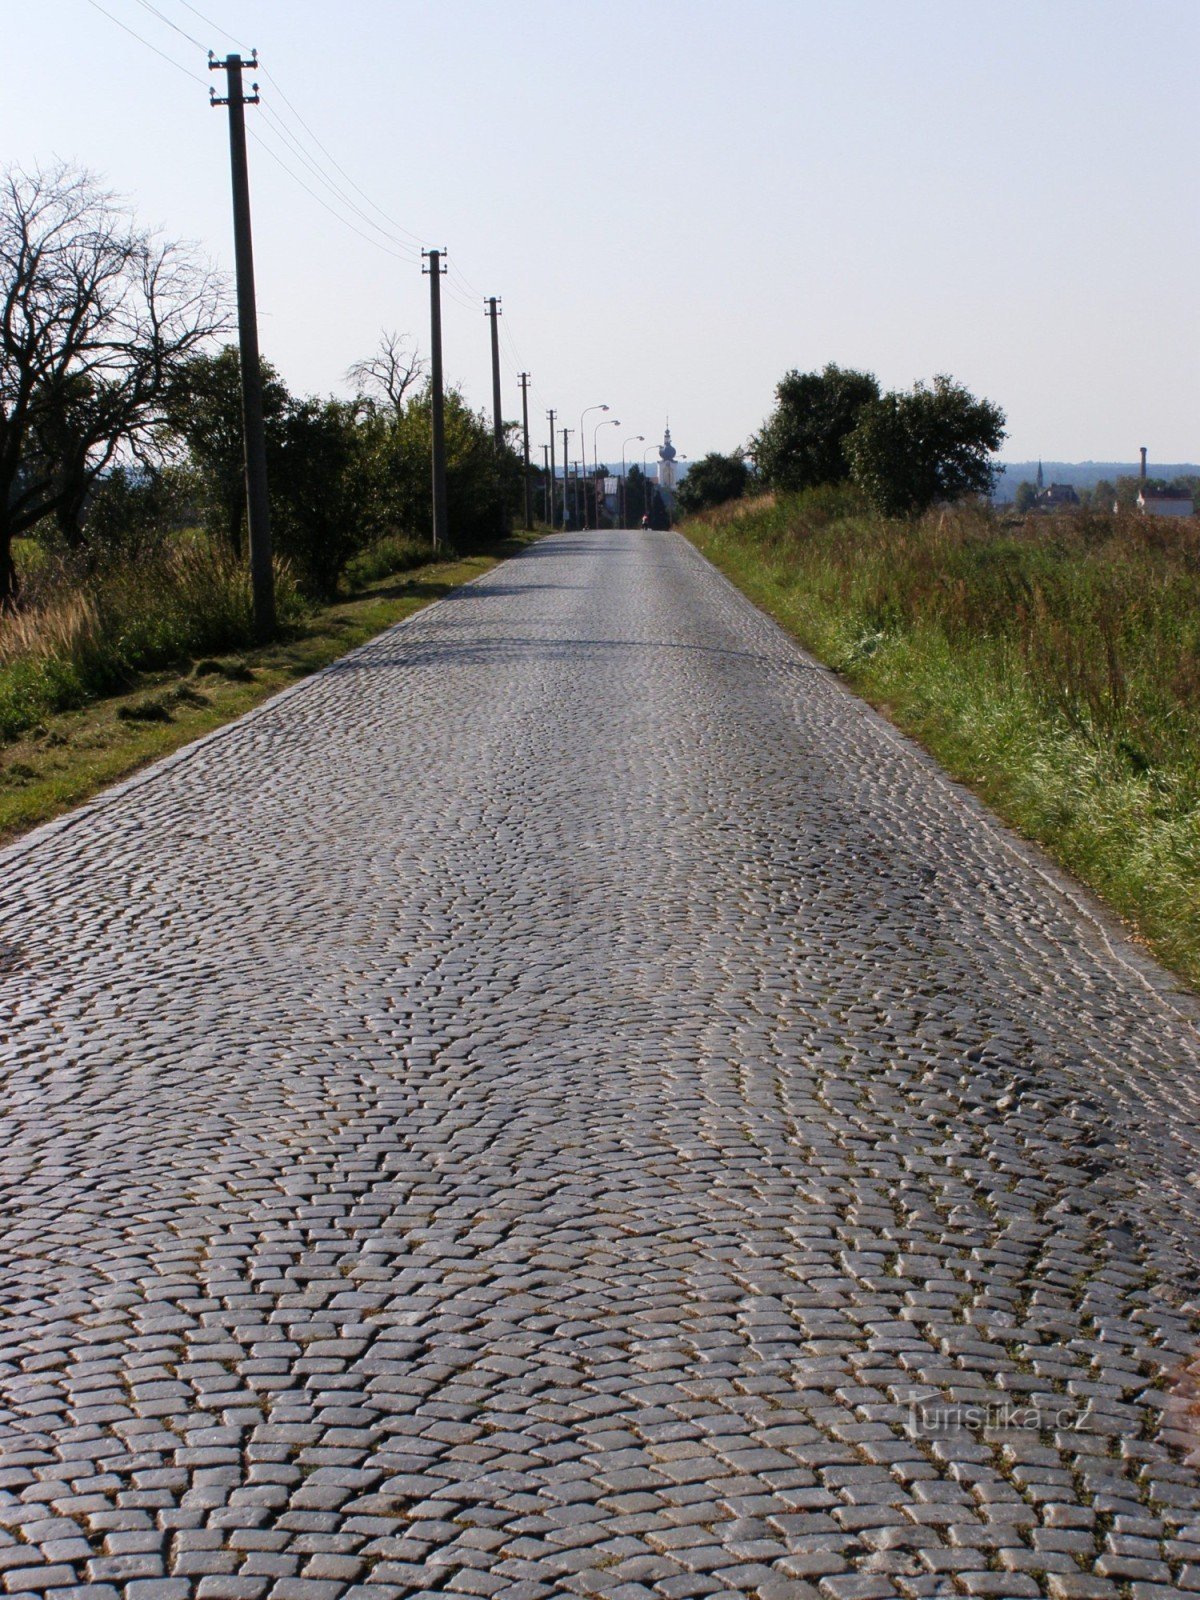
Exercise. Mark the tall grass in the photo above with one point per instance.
(1052, 662)
(393, 553)
(73, 640)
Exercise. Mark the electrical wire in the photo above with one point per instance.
(133, 34)
(457, 286)
(297, 149)
(346, 223)
(214, 25)
(154, 11)
(415, 238)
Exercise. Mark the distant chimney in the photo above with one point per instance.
(1142, 475)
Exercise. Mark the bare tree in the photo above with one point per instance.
(386, 377)
(95, 314)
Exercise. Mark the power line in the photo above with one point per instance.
(154, 11)
(211, 23)
(346, 223)
(285, 133)
(416, 238)
(133, 34)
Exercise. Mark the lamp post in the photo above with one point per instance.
(646, 475)
(583, 442)
(635, 438)
(610, 422)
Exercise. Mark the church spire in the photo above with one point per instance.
(1041, 482)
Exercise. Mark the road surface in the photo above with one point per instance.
(568, 1102)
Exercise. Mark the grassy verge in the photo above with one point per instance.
(68, 757)
(1053, 665)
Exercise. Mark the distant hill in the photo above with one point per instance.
(1083, 474)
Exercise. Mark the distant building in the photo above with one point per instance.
(1165, 502)
(1055, 497)
(1161, 502)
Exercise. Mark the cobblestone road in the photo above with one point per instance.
(567, 1102)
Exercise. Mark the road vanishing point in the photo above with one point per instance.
(567, 1101)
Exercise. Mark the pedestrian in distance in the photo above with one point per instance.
(645, 522)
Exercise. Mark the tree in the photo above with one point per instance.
(204, 413)
(319, 492)
(387, 376)
(934, 443)
(481, 481)
(1104, 496)
(130, 514)
(711, 481)
(96, 315)
(637, 496)
(1025, 496)
(801, 443)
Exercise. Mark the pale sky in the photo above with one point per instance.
(678, 202)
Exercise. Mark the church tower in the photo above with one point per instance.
(666, 468)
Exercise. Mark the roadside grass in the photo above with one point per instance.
(1052, 664)
(68, 756)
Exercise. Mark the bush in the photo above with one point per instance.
(711, 481)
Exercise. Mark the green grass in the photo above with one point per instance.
(69, 755)
(1051, 664)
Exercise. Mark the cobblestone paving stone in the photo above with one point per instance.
(549, 1107)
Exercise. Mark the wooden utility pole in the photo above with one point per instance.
(551, 414)
(523, 380)
(258, 507)
(493, 311)
(441, 522)
(547, 482)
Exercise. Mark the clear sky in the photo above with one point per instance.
(678, 202)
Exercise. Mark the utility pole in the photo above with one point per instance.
(493, 311)
(523, 380)
(551, 414)
(435, 271)
(254, 439)
(566, 433)
(546, 483)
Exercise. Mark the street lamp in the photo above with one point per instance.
(646, 475)
(611, 422)
(635, 438)
(583, 444)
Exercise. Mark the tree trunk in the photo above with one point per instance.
(9, 584)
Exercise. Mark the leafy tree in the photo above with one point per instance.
(96, 315)
(481, 481)
(1025, 496)
(801, 443)
(660, 517)
(204, 413)
(637, 496)
(319, 492)
(933, 443)
(1104, 496)
(1127, 491)
(711, 481)
(131, 513)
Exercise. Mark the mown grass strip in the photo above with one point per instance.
(71, 756)
(1053, 666)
